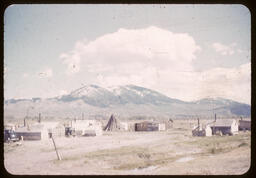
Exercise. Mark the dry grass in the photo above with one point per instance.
(124, 152)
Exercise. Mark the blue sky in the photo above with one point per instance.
(187, 52)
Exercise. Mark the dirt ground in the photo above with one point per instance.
(172, 152)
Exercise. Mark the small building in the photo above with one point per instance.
(198, 132)
(202, 130)
(161, 126)
(86, 127)
(244, 125)
(224, 126)
(41, 131)
(124, 126)
(146, 126)
(29, 135)
(208, 131)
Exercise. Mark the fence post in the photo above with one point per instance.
(59, 158)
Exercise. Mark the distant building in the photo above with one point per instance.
(224, 126)
(244, 125)
(41, 131)
(146, 126)
(208, 131)
(161, 126)
(86, 127)
(124, 126)
(202, 131)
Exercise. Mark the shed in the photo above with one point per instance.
(32, 132)
(244, 125)
(124, 126)
(146, 126)
(41, 131)
(202, 131)
(86, 127)
(29, 135)
(224, 126)
(208, 131)
(161, 126)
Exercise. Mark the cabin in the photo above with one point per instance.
(146, 126)
(40, 131)
(224, 127)
(244, 125)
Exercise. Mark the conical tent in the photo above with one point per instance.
(113, 124)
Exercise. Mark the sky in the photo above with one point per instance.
(187, 52)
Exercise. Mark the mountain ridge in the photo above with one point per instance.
(134, 98)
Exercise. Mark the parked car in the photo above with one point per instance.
(10, 135)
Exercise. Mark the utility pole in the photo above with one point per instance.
(39, 118)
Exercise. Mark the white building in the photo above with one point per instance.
(82, 127)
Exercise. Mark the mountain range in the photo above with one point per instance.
(126, 101)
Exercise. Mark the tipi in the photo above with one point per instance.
(113, 124)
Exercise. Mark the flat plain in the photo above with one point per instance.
(171, 152)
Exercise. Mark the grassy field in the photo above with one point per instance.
(172, 152)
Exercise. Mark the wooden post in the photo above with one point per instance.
(39, 118)
(59, 158)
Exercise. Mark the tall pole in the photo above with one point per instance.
(57, 153)
(198, 123)
(39, 118)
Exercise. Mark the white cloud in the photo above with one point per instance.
(46, 73)
(224, 49)
(129, 47)
(233, 83)
(72, 58)
(157, 59)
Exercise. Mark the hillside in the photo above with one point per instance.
(127, 101)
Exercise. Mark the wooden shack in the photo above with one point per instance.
(244, 125)
(146, 126)
(32, 132)
(224, 127)
(41, 131)
(202, 131)
(29, 135)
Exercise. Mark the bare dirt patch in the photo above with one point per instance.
(173, 152)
